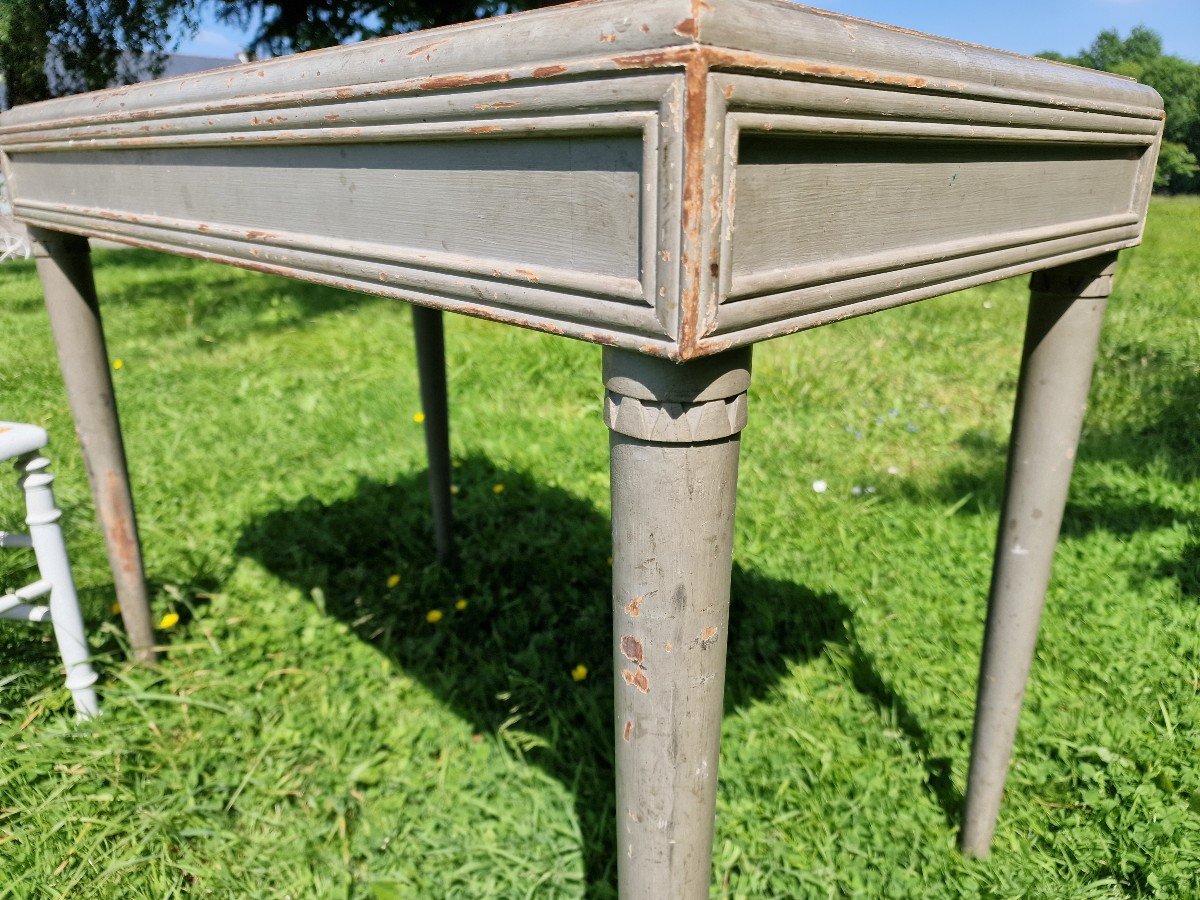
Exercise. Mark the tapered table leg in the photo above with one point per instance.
(674, 457)
(65, 268)
(1066, 310)
(431, 366)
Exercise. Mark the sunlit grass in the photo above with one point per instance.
(315, 730)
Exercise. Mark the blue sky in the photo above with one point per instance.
(1026, 26)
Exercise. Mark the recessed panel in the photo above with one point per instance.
(570, 204)
(813, 209)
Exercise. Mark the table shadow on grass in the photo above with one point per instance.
(534, 572)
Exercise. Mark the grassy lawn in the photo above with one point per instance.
(310, 733)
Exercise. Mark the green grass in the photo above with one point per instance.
(310, 734)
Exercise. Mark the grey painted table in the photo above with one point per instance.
(675, 180)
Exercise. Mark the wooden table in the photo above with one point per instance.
(675, 180)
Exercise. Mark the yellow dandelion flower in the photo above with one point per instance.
(433, 616)
(392, 581)
(419, 417)
(454, 488)
(118, 363)
(610, 560)
(457, 464)
(116, 609)
(460, 605)
(497, 488)
(170, 620)
(579, 672)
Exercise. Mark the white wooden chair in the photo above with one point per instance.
(23, 443)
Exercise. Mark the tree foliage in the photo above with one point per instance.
(1140, 56)
(283, 26)
(53, 47)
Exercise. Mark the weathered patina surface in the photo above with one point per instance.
(669, 176)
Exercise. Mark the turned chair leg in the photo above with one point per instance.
(24, 443)
(55, 567)
(431, 367)
(1066, 310)
(674, 457)
(65, 268)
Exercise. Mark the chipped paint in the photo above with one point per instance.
(655, 59)
(718, 58)
(447, 82)
(708, 635)
(709, 346)
(688, 28)
(694, 123)
(631, 649)
(636, 679)
(548, 71)
(487, 312)
(610, 340)
(425, 48)
(633, 608)
(627, 733)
